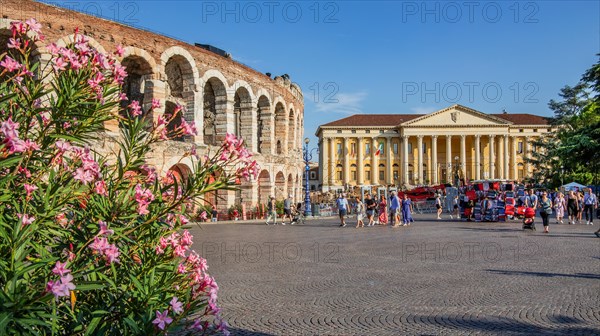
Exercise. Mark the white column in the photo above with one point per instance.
(324, 162)
(477, 157)
(506, 157)
(389, 162)
(375, 163)
(463, 153)
(449, 158)
(332, 163)
(526, 156)
(360, 164)
(500, 159)
(492, 161)
(420, 156)
(405, 157)
(515, 173)
(434, 161)
(346, 156)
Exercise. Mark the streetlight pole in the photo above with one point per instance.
(307, 154)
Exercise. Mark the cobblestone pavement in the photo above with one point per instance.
(432, 278)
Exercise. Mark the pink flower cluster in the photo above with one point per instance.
(233, 150)
(89, 171)
(10, 133)
(101, 246)
(143, 197)
(64, 285)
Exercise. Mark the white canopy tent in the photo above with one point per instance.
(573, 186)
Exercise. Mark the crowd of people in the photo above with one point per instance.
(377, 212)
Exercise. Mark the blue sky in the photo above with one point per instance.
(390, 56)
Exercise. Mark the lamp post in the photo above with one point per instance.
(307, 157)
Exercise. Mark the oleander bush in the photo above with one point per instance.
(94, 243)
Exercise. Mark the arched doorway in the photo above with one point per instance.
(264, 121)
(215, 107)
(279, 186)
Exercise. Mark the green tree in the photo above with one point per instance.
(575, 146)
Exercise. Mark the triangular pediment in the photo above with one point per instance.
(457, 115)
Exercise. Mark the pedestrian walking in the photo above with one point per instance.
(455, 207)
(394, 208)
(383, 217)
(579, 207)
(572, 207)
(271, 211)
(360, 208)
(560, 205)
(545, 205)
(342, 204)
(438, 205)
(370, 208)
(214, 214)
(590, 203)
(287, 210)
(406, 211)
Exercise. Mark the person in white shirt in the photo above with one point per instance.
(342, 204)
(590, 202)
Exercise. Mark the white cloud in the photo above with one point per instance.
(422, 110)
(344, 103)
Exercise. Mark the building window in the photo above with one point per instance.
(424, 148)
(521, 130)
(381, 131)
(339, 131)
(368, 131)
(339, 149)
(549, 129)
(395, 148)
(368, 148)
(410, 147)
(395, 175)
(353, 175)
(312, 188)
(535, 130)
(353, 131)
(313, 175)
(368, 175)
(381, 175)
(340, 176)
(410, 175)
(520, 147)
(353, 149)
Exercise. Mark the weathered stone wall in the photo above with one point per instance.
(219, 95)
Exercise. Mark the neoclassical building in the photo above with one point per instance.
(413, 149)
(218, 95)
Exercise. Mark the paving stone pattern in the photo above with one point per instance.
(432, 278)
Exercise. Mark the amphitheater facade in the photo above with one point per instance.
(219, 95)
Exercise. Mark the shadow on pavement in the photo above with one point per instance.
(546, 275)
(509, 326)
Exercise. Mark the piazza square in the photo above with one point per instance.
(299, 168)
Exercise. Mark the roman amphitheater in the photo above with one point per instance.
(218, 94)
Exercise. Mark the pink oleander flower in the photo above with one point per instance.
(119, 73)
(31, 145)
(155, 103)
(122, 96)
(188, 128)
(97, 80)
(162, 319)
(14, 43)
(186, 238)
(53, 48)
(135, 108)
(59, 269)
(10, 64)
(26, 219)
(99, 244)
(120, 50)
(63, 287)
(34, 26)
(181, 269)
(9, 129)
(203, 215)
(198, 325)
(18, 28)
(29, 188)
(180, 250)
(112, 254)
(100, 188)
(82, 175)
(104, 229)
(176, 305)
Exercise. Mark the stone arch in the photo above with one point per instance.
(180, 76)
(214, 110)
(281, 130)
(265, 186)
(264, 125)
(291, 139)
(279, 186)
(243, 115)
(138, 84)
(180, 171)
